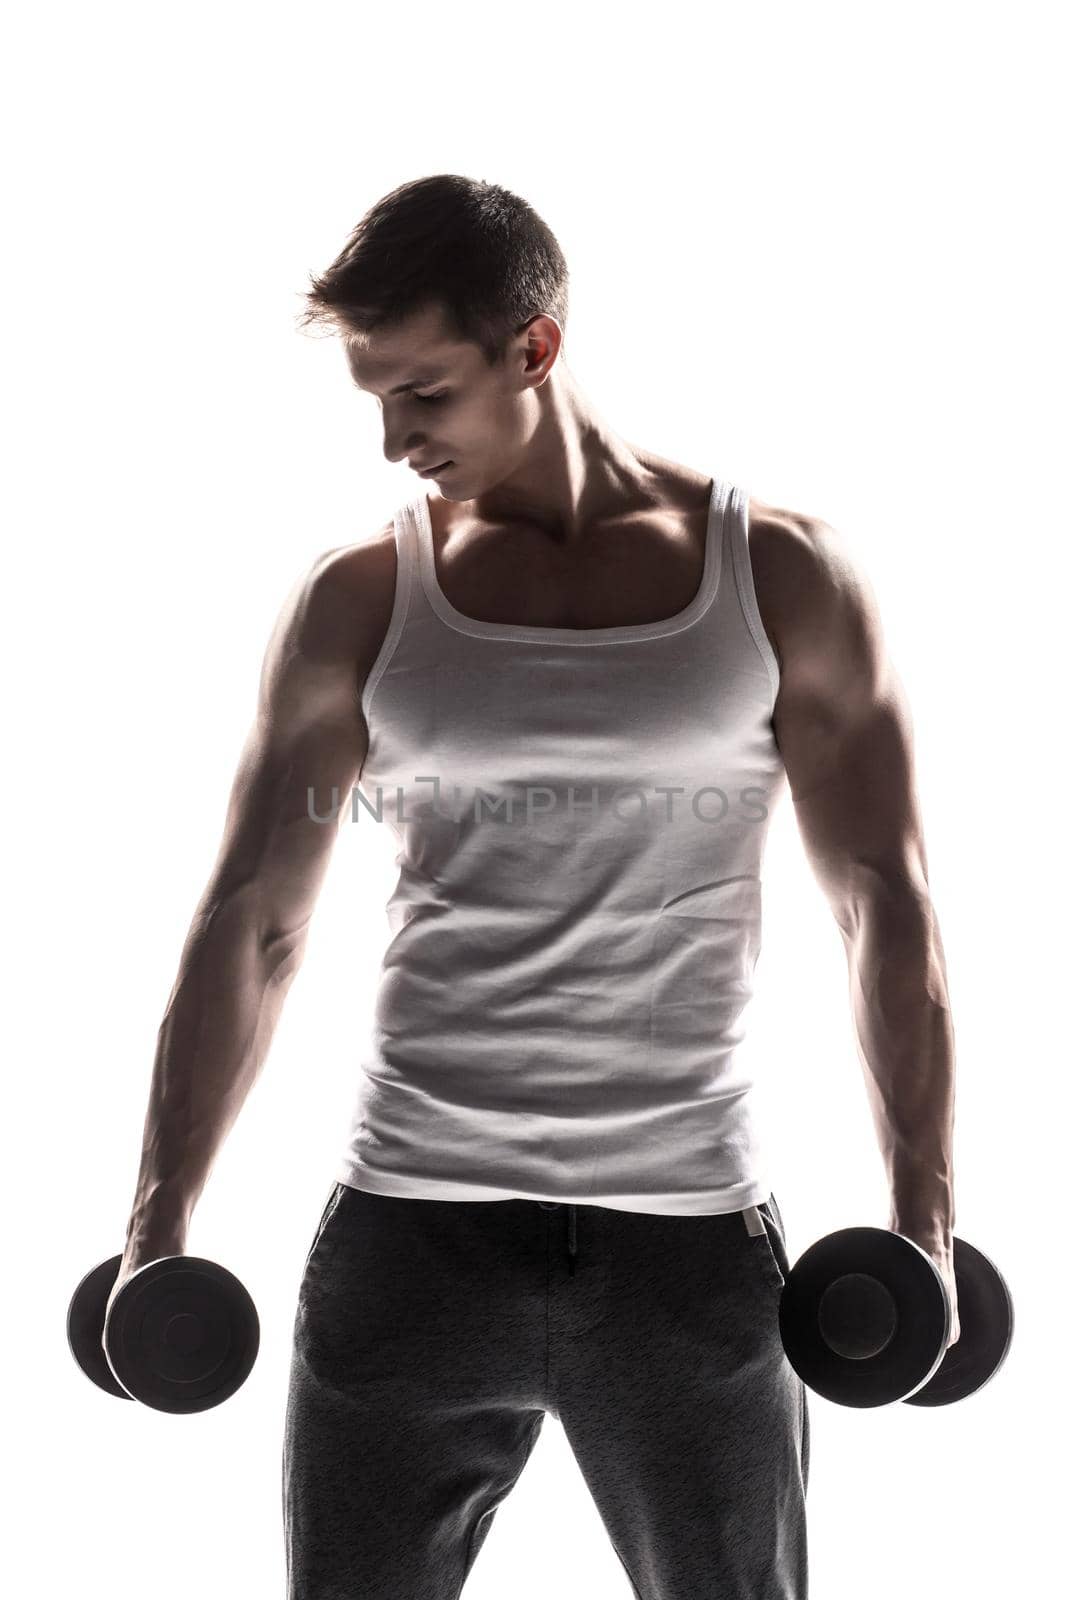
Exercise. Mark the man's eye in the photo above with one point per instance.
(428, 399)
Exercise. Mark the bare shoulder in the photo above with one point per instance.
(360, 567)
(354, 586)
(810, 588)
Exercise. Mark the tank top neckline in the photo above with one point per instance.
(446, 611)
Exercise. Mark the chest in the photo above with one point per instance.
(641, 570)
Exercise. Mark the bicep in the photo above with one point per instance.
(844, 729)
(300, 759)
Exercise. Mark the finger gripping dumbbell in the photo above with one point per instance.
(182, 1334)
(865, 1320)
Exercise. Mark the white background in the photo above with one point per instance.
(813, 249)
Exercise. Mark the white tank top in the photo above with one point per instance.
(560, 1006)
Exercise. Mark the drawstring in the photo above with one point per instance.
(572, 1237)
(572, 1230)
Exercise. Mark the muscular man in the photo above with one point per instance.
(573, 678)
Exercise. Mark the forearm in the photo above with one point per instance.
(900, 1008)
(211, 1046)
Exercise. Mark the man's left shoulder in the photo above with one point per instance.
(802, 570)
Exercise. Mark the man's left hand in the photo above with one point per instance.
(941, 1255)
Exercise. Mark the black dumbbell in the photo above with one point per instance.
(182, 1334)
(865, 1320)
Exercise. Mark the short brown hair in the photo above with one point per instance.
(477, 250)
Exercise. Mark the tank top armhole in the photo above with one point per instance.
(746, 587)
(402, 533)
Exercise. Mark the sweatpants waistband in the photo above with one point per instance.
(753, 1222)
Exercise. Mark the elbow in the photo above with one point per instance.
(274, 943)
(282, 949)
(893, 899)
(894, 950)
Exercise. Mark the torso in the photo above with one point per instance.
(644, 568)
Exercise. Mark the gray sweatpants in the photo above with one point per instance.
(432, 1336)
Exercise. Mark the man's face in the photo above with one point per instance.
(452, 406)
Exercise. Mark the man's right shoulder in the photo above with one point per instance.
(355, 585)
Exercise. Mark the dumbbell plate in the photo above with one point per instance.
(987, 1322)
(902, 1284)
(183, 1334)
(85, 1325)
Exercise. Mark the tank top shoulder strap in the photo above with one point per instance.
(407, 560)
(407, 596)
(734, 613)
